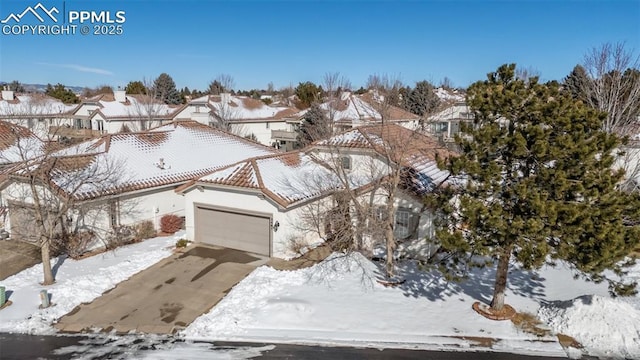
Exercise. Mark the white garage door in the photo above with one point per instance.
(233, 229)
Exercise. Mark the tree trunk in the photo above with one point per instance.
(391, 246)
(390, 240)
(46, 263)
(501, 280)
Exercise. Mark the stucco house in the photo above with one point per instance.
(267, 204)
(351, 110)
(121, 112)
(243, 116)
(447, 123)
(123, 179)
(17, 144)
(37, 112)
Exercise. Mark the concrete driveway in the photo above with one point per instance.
(16, 256)
(167, 296)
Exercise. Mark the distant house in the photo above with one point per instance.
(37, 112)
(265, 204)
(244, 116)
(351, 110)
(121, 112)
(18, 144)
(447, 123)
(150, 166)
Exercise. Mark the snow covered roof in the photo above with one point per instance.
(413, 150)
(34, 104)
(293, 177)
(452, 95)
(18, 143)
(135, 106)
(286, 178)
(364, 108)
(167, 155)
(244, 108)
(457, 111)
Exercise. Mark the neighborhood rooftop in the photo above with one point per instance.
(160, 157)
(366, 107)
(286, 178)
(133, 106)
(28, 105)
(239, 108)
(17, 143)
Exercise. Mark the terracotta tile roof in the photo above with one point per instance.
(18, 143)
(246, 109)
(29, 105)
(395, 113)
(167, 155)
(294, 177)
(362, 109)
(286, 178)
(135, 106)
(411, 149)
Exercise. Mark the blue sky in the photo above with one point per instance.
(287, 42)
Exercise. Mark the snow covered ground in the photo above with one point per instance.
(77, 281)
(339, 302)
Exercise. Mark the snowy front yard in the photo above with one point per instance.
(339, 301)
(77, 281)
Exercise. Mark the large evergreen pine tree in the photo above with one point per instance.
(422, 100)
(165, 90)
(537, 184)
(136, 87)
(314, 127)
(577, 82)
(60, 92)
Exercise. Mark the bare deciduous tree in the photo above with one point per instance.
(334, 85)
(369, 188)
(226, 81)
(386, 94)
(526, 73)
(613, 85)
(44, 191)
(225, 113)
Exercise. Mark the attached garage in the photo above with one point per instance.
(233, 228)
(23, 223)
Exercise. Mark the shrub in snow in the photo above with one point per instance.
(145, 230)
(605, 327)
(170, 224)
(121, 235)
(181, 243)
(74, 244)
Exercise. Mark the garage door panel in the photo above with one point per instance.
(234, 230)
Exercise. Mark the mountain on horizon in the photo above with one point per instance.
(42, 87)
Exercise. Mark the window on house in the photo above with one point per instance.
(345, 162)
(440, 127)
(401, 226)
(405, 224)
(99, 125)
(267, 125)
(77, 123)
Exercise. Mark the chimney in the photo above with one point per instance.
(120, 95)
(225, 97)
(7, 94)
